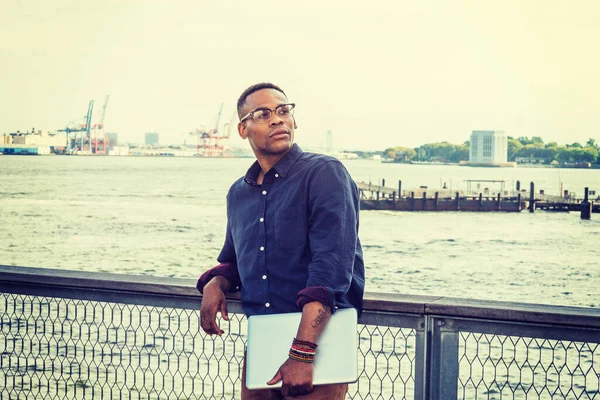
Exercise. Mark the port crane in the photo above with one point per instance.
(227, 134)
(209, 141)
(79, 137)
(100, 126)
(85, 127)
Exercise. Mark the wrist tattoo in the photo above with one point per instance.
(320, 319)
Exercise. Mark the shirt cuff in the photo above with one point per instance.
(227, 270)
(316, 293)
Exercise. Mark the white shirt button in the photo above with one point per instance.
(267, 304)
(276, 175)
(264, 277)
(264, 192)
(262, 220)
(262, 248)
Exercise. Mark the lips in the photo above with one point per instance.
(279, 132)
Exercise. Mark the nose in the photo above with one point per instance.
(275, 119)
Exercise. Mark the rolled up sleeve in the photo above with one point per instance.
(333, 233)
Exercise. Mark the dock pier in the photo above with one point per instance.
(380, 197)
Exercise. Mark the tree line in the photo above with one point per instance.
(532, 150)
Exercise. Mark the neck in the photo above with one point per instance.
(267, 161)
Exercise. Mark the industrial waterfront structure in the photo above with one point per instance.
(32, 143)
(211, 142)
(84, 137)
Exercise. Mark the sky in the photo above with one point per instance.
(377, 74)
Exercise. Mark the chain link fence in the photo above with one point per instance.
(103, 336)
(53, 348)
(512, 367)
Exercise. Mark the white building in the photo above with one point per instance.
(39, 138)
(488, 147)
(119, 151)
(152, 139)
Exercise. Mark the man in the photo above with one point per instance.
(291, 243)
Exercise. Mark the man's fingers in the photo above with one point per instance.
(224, 311)
(213, 301)
(209, 324)
(275, 379)
(208, 328)
(215, 328)
(305, 390)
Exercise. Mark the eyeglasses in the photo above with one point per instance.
(263, 115)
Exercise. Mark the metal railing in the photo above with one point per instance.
(67, 334)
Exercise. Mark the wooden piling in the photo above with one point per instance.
(480, 202)
(499, 203)
(518, 186)
(399, 189)
(424, 205)
(586, 206)
(519, 202)
(457, 201)
(437, 201)
(394, 200)
(412, 201)
(531, 197)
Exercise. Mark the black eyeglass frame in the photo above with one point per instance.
(251, 113)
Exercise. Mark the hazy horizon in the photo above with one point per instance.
(380, 75)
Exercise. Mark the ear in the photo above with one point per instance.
(242, 130)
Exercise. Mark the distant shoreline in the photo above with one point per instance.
(422, 163)
(592, 166)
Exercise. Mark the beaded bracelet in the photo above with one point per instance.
(305, 343)
(303, 351)
(302, 358)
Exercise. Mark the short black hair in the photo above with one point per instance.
(254, 88)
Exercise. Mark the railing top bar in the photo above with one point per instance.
(386, 302)
(515, 312)
(99, 280)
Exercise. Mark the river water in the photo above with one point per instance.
(166, 217)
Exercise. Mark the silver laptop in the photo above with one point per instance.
(270, 338)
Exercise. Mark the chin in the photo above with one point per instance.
(280, 147)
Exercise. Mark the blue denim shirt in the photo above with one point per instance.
(295, 235)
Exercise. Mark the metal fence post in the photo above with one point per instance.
(443, 379)
(421, 363)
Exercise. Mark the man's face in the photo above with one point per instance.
(274, 137)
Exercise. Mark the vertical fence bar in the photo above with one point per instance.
(444, 361)
(421, 363)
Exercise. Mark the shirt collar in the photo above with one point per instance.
(282, 167)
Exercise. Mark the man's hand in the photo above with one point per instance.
(297, 378)
(213, 301)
